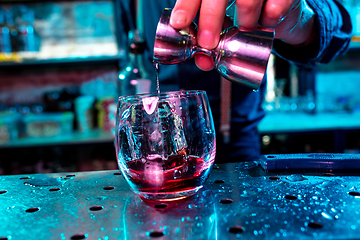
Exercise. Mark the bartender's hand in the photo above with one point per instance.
(293, 21)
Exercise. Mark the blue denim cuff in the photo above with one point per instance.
(333, 35)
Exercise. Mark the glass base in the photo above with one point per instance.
(168, 196)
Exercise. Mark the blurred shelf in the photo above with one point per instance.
(61, 61)
(272, 123)
(302, 122)
(354, 45)
(92, 137)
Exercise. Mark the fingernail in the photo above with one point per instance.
(207, 39)
(178, 18)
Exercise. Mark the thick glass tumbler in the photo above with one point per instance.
(165, 144)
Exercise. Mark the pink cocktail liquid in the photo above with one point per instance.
(167, 180)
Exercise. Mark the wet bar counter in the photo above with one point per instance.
(239, 201)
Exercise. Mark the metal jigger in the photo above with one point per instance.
(241, 56)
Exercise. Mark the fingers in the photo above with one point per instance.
(248, 13)
(211, 18)
(184, 13)
(203, 62)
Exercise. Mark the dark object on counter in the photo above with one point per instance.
(314, 161)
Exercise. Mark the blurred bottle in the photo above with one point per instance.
(27, 40)
(51, 101)
(61, 100)
(5, 41)
(2, 24)
(103, 114)
(11, 31)
(84, 113)
(356, 30)
(133, 77)
(22, 29)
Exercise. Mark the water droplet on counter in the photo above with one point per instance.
(44, 182)
(296, 178)
(325, 215)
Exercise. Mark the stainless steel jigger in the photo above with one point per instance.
(241, 56)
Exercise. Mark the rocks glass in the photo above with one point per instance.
(165, 143)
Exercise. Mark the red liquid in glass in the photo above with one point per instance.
(158, 177)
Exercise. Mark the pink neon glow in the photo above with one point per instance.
(150, 104)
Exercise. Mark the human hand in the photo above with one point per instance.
(292, 20)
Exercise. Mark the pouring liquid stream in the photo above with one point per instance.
(156, 66)
(184, 151)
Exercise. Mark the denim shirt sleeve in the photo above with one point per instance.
(334, 32)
